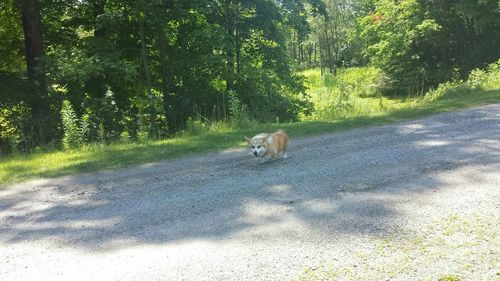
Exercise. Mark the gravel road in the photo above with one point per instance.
(410, 201)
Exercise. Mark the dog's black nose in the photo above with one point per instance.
(255, 153)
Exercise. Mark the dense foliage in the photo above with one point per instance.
(84, 71)
(146, 66)
(421, 43)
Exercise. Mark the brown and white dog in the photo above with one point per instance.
(269, 145)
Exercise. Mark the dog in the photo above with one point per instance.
(269, 145)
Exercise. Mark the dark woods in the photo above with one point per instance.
(110, 70)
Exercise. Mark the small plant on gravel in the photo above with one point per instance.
(449, 277)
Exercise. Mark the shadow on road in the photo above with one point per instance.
(341, 184)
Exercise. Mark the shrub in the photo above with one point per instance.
(340, 96)
(364, 81)
(142, 136)
(73, 133)
(476, 78)
(489, 78)
(238, 112)
(9, 134)
(195, 127)
(124, 137)
(449, 277)
(16, 128)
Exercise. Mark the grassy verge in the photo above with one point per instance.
(363, 111)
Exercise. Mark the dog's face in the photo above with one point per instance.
(257, 146)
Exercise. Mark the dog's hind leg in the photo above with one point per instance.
(283, 153)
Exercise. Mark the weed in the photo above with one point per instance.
(73, 131)
(449, 277)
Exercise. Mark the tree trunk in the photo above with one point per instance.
(336, 40)
(153, 132)
(230, 48)
(309, 55)
(321, 55)
(231, 51)
(98, 80)
(238, 51)
(315, 56)
(98, 6)
(328, 51)
(164, 84)
(34, 49)
(301, 53)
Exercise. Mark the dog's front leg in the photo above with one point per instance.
(266, 159)
(282, 154)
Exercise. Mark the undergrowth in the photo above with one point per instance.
(352, 92)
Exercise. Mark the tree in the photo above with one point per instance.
(330, 37)
(132, 67)
(34, 53)
(421, 43)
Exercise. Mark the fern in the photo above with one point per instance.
(73, 131)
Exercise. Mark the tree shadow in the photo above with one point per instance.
(341, 184)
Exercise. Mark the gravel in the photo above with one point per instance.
(410, 201)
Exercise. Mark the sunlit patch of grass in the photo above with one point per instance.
(351, 92)
(357, 92)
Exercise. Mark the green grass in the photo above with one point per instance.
(369, 109)
(352, 92)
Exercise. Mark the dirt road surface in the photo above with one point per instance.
(411, 201)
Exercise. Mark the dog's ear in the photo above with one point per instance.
(247, 139)
(270, 140)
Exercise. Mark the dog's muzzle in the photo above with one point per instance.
(255, 153)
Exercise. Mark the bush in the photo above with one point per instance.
(195, 127)
(266, 98)
(73, 133)
(142, 136)
(420, 44)
(15, 128)
(449, 277)
(489, 78)
(9, 134)
(124, 137)
(477, 77)
(364, 81)
(238, 112)
(340, 96)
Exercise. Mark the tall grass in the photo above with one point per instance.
(351, 92)
(479, 79)
(355, 92)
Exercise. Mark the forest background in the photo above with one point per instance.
(88, 74)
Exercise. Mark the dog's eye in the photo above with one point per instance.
(253, 147)
(258, 146)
